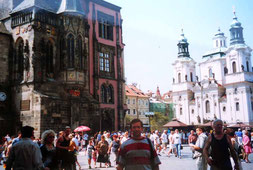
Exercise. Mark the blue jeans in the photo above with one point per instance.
(178, 147)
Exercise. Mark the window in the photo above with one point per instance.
(210, 73)
(61, 53)
(179, 77)
(234, 67)
(104, 62)
(49, 58)
(191, 77)
(20, 60)
(134, 111)
(110, 95)
(133, 101)
(224, 109)
(247, 65)
(128, 101)
(103, 94)
(192, 111)
(106, 23)
(181, 111)
(207, 106)
(216, 43)
(80, 52)
(107, 94)
(71, 50)
(251, 105)
(237, 106)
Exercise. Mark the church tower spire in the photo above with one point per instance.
(183, 50)
(236, 31)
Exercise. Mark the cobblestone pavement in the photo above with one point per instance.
(173, 163)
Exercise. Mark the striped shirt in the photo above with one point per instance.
(135, 155)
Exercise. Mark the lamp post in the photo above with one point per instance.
(149, 115)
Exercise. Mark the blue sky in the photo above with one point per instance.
(151, 30)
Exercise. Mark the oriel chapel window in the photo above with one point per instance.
(71, 50)
(80, 52)
(107, 94)
(103, 94)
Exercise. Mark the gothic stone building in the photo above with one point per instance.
(61, 64)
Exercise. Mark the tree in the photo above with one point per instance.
(158, 121)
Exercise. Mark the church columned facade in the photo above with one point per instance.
(63, 65)
(224, 86)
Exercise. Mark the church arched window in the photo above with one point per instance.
(103, 94)
(49, 57)
(19, 62)
(247, 66)
(207, 106)
(179, 77)
(71, 50)
(80, 52)
(234, 66)
(210, 73)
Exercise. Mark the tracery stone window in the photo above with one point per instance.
(80, 52)
(61, 53)
(71, 51)
(234, 67)
(49, 57)
(207, 106)
(19, 60)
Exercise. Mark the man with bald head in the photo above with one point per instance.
(221, 148)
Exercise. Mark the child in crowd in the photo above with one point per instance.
(91, 153)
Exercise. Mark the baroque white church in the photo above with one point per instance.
(224, 87)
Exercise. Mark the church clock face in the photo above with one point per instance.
(2, 96)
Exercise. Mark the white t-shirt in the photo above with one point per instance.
(164, 138)
(156, 139)
(152, 137)
(177, 138)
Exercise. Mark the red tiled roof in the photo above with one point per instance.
(134, 91)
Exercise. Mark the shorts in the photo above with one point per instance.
(89, 156)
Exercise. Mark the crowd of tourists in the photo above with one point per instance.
(59, 151)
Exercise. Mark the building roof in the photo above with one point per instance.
(132, 90)
(49, 5)
(71, 6)
(3, 29)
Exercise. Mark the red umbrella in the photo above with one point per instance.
(82, 129)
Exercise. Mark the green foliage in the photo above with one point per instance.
(158, 121)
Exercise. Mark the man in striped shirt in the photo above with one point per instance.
(137, 153)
